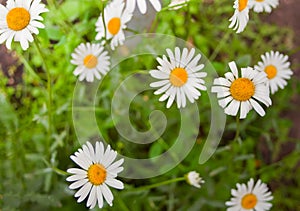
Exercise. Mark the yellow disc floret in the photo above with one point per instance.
(242, 89)
(178, 77)
(242, 4)
(114, 25)
(271, 71)
(249, 201)
(90, 61)
(17, 19)
(96, 174)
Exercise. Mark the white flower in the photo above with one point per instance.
(263, 5)
(91, 60)
(250, 197)
(177, 4)
(240, 17)
(97, 172)
(142, 4)
(277, 67)
(180, 78)
(19, 20)
(115, 18)
(194, 179)
(242, 93)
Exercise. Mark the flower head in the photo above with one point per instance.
(277, 68)
(19, 20)
(115, 18)
(263, 5)
(242, 93)
(180, 78)
(194, 179)
(240, 17)
(250, 197)
(142, 4)
(97, 171)
(91, 60)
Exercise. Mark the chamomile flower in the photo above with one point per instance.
(97, 171)
(115, 18)
(240, 17)
(19, 20)
(177, 4)
(91, 60)
(194, 179)
(263, 5)
(180, 77)
(242, 93)
(142, 4)
(277, 68)
(252, 197)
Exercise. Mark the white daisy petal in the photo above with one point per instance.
(100, 169)
(242, 93)
(247, 197)
(179, 77)
(87, 57)
(277, 69)
(21, 31)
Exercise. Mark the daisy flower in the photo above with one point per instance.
(91, 60)
(240, 17)
(180, 77)
(193, 178)
(177, 4)
(142, 4)
(115, 18)
(263, 5)
(242, 93)
(97, 171)
(19, 20)
(250, 197)
(277, 68)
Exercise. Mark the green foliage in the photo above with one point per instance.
(32, 159)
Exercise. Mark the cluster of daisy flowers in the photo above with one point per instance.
(180, 79)
(240, 18)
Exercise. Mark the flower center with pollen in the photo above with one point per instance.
(242, 89)
(242, 4)
(271, 71)
(249, 201)
(259, 0)
(114, 25)
(96, 174)
(17, 19)
(178, 77)
(90, 61)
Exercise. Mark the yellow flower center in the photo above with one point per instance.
(178, 77)
(18, 19)
(96, 174)
(242, 4)
(249, 201)
(242, 89)
(90, 61)
(259, 0)
(114, 25)
(271, 71)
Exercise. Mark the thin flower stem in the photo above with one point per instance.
(148, 187)
(49, 89)
(218, 48)
(237, 133)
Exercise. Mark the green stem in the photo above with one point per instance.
(49, 89)
(237, 133)
(218, 48)
(148, 187)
